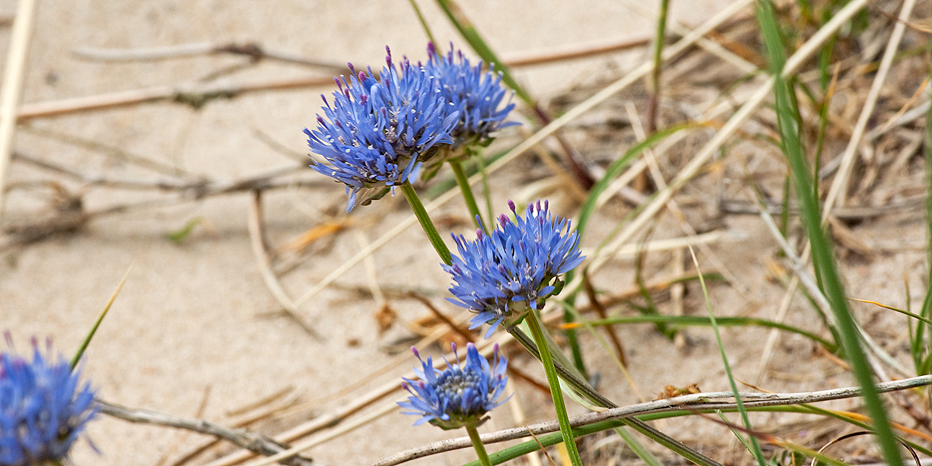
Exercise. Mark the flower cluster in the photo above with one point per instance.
(380, 130)
(461, 394)
(502, 274)
(43, 409)
(476, 94)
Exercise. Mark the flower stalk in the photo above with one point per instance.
(537, 331)
(468, 196)
(424, 219)
(479, 447)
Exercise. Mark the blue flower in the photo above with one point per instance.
(43, 409)
(379, 131)
(461, 394)
(476, 94)
(501, 275)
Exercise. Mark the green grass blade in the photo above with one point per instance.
(901, 311)
(420, 18)
(90, 335)
(546, 440)
(474, 39)
(659, 39)
(823, 259)
(697, 321)
(581, 386)
(178, 236)
(920, 340)
(754, 446)
(637, 447)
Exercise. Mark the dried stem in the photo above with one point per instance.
(697, 402)
(11, 94)
(836, 192)
(253, 50)
(195, 95)
(256, 443)
(257, 240)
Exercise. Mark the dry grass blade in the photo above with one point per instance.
(195, 95)
(840, 184)
(357, 405)
(12, 90)
(263, 260)
(809, 48)
(857, 434)
(554, 55)
(253, 50)
(254, 442)
(696, 402)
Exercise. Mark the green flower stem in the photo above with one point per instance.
(584, 389)
(556, 393)
(463, 182)
(421, 213)
(477, 444)
(487, 190)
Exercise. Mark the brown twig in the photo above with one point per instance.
(263, 414)
(443, 317)
(697, 402)
(194, 95)
(253, 50)
(251, 441)
(71, 214)
(576, 52)
(572, 156)
(603, 314)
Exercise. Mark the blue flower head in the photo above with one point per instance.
(380, 130)
(43, 408)
(476, 94)
(514, 268)
(459, 395)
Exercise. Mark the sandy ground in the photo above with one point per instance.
(195, 331)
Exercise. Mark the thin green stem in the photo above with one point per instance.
(477, 444)
(421, 213)
(537, 330)
(751, 443)
(659, 39)
(420, 17)
(584, 389)
(90, 335)
(472, 36)
(468, 196)
(822, 248)
(486, 188)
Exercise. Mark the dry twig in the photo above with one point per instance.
(697, 402)
(256, 443)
